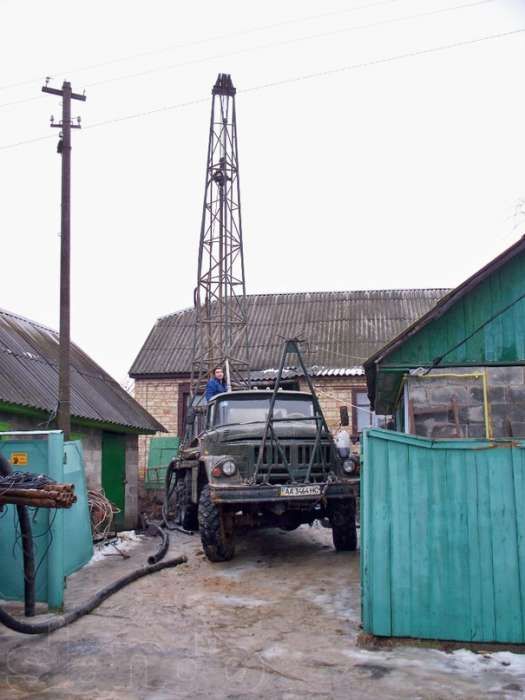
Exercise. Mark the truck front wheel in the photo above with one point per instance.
(216, 529)
(344, 532)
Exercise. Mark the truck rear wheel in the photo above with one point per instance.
(344, 532)
(186, 511)
(216, 529)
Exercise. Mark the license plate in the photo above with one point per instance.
(311, 490)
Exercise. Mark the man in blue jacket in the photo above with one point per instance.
(215, 384)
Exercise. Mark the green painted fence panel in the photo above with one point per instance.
(161, 452)
(443, 538)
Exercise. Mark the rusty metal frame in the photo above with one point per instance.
(221, 321)
(291, 347)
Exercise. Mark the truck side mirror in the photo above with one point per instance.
(343, 414)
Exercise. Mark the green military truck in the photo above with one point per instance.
(261, 459)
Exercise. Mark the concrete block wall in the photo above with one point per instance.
(92, 450)
(132, 482)
(506, 402)
(91, 443)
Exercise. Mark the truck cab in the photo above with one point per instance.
(243, 471)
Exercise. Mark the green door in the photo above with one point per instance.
(114, 473)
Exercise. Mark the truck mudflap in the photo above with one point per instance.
(266, 493)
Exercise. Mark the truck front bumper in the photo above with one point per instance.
(268, 493)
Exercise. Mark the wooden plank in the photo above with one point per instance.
(366, 505)
(456, 576)
(518, 474)
(438, 543)
(474, 550)
(379, 555)
(418, 515)
(401, 583)
(488, 611)
(504, 548)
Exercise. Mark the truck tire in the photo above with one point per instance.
(186, 511)
(216, 533)
(344, 531)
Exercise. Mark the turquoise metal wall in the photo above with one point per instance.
(443, 538)
(62, 538)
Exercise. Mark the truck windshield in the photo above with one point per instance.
(251, 409)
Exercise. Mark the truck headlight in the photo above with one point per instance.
(228, 468)
(348, 466)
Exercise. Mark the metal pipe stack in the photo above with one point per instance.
(46, 495)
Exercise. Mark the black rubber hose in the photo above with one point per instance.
(29, 560)
(61, 621)
(164, 544)
(5, 466)
(169, 488)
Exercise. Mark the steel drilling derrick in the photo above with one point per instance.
(221, 323)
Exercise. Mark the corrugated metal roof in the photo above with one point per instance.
(294, 372)
(29, 377)
(340, 329)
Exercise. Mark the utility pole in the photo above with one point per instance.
(64, 148)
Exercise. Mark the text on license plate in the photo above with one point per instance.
(311, 490)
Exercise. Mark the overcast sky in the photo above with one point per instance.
(383, 171)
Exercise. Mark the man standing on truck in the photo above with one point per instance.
(215, 384)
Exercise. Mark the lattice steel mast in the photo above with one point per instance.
(221, 323)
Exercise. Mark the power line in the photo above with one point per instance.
(379, 61)
(284, 42)
(295, 79)
(148, 112)
(23, 143)
(437, 360)
(197, 42)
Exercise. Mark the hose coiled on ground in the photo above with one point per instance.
(61, 621)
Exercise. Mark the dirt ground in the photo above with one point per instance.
(279, 621)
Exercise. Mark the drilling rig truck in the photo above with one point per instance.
(250, 457)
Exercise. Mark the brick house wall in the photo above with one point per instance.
(161, 398)
(334, 392)
(164, 399)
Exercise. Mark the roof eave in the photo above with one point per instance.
(448, 300)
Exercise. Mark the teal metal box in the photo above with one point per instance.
(443, 538)
(62, 538)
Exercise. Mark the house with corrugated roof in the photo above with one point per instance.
(339, 331)
(459, 370)
(104, 416)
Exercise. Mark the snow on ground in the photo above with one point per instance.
(125, 541)
(461, 661)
